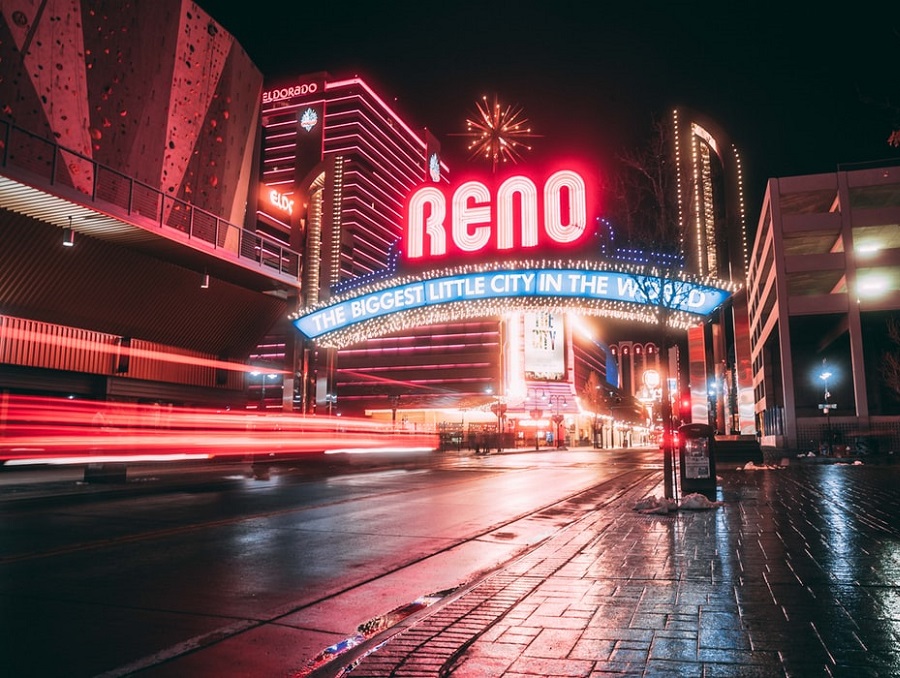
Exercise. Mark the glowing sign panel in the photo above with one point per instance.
(309, 119)
(299, 90)
(571, 283)
(519, 216)
(545, 355)
(281, 201)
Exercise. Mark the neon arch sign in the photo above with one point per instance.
(517, 216)
(596, 290)
(493, 224)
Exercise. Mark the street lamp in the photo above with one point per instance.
(558, 418)
(536, 413)
(499, 410)
(827, 406)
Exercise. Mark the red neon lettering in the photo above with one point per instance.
(281, 201)
(471, 216)
(289, 92)
(513, 218)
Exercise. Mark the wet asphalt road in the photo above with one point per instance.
(119, 580)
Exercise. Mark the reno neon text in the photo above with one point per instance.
(519, 216)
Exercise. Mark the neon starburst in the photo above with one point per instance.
(498, 132)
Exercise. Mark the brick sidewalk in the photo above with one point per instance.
(797, 574)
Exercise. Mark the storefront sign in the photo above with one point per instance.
(299, 90)
(545, 346)
(283, 202)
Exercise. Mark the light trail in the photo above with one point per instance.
(37, 430)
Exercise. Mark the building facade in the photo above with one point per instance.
(131, 265)
(824, 289)
(338, 164)
(713, 223)
(203, 215)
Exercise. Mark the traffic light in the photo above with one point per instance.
(684, 412)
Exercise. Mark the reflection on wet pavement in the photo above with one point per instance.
(796, 574)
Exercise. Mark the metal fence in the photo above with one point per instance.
(58, 166)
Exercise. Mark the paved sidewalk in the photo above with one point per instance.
(796, 574)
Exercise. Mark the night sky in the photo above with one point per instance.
(798, 92)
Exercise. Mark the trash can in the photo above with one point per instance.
(697, 460)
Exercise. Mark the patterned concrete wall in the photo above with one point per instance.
(155, 89)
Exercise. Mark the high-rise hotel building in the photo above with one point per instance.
(337, 164)
(713, 223)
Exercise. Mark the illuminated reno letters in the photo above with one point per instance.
(518, 216)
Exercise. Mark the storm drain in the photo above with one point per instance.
(369, 629)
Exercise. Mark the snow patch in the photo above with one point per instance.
(750, 466)
(698, 502)
(662, 506)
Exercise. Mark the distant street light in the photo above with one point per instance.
(558, 418)
(536, 413)
(827, 406)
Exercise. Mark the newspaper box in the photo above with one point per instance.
(697, 462)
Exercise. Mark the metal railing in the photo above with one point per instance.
(58, 166)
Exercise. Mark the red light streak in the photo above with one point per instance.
(53, 431)
(31, 336)
(386, 380)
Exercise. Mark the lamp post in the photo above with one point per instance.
(827, 406)
(536, 413)
(499, 410)
(558, 418)
(395, 403)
